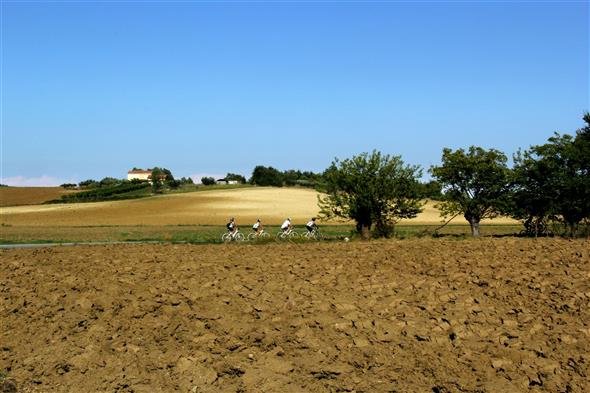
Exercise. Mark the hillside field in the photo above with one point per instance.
(14, 196)
(271, 205)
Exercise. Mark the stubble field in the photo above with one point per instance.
(14, 196)
(418, 315)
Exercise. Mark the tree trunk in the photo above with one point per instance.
(365, 232)
(474, 223)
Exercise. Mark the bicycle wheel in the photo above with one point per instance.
(294, 235)
(239, 237)
(252, 237)
(225, 237)
(264, 235)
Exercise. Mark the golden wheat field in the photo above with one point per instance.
(272, 205)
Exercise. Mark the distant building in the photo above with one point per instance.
(139, 174)
(225, 181)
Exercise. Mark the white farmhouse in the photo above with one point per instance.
(225, 181)
(139, 174)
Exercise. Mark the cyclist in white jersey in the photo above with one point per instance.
(286, 226)
(257, 227)
(311, 225)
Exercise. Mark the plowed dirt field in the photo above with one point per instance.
(418, 315)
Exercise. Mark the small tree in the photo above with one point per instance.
(371, 189)
(186, 180)
(109, 182)
(475, 183)
(234, 176)
(88, 184)
(157, 177)
(266, 176)
(207, 181)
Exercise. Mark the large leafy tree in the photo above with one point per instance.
(552, 182)
(532, 199)
(476, 183)
(371, 189)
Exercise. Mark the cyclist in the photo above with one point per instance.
(286, 226)
(257, 227)
(311, 225)
(232, 227)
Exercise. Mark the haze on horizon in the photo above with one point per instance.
(92, 89)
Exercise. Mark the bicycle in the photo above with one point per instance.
(315, 234)
(288, 234)
(237, 236)
(258, 235)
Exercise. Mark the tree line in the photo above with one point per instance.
(547, 189)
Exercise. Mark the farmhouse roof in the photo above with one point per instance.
(137, 171)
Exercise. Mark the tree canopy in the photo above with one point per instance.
(476, 183)
(371, 189)
(552, 182)
(266, 176)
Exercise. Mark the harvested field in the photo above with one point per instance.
(272, 205)
(13, 196)
(419, 315)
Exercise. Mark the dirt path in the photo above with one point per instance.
(421, 315)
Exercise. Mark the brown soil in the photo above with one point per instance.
(420, 315)
(14, 196)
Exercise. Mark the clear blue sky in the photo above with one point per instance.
(93, 89)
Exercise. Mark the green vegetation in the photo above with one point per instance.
(269, 176)
(207, 181)
(476, 184)
(552, 184)
(372, 190)
(266, 176)
(123, 190)
(205, 234)
(235, 177)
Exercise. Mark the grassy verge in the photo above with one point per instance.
(212, 234)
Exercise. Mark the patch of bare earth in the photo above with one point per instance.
(420, 315)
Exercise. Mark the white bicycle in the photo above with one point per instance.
(288, 235)
(315, 234)
(258, 235)
(236, 236)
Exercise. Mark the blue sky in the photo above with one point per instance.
(92, 89)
